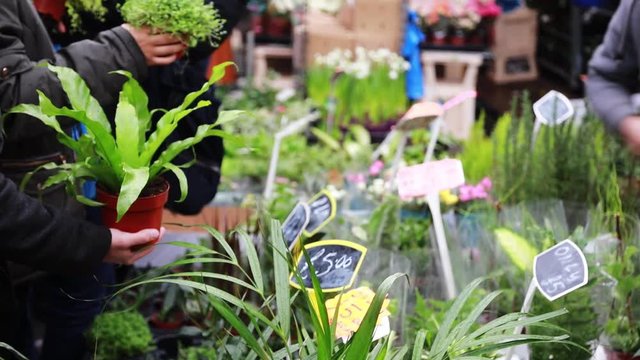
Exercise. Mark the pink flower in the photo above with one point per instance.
(485, 8)
(465, 193)
(475, 192)
(356, 178)
(376, 168)
(486, 183)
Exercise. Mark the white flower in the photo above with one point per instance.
(337, 194)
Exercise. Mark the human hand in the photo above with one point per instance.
(158, 49)
(127, 248)
(630, 131)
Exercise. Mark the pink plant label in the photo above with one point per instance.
(428, 178)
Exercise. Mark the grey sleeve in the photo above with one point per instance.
(613, 69)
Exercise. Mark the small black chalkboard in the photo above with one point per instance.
(322, 209)
(295, 223)
(336, 263)
(560, 270)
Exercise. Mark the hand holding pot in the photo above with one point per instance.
(127, 248)
(158, 49)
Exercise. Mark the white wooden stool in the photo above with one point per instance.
(460, 75)
(261, 54)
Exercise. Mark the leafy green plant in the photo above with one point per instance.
(581, 325)
(622, 330)
(198, 353)
(76, 7)
(370, 89)
(123, 160)
(477, 154)
(429, 314)
(120, 334)
(192, 20)
(355, 145)
(457, 339)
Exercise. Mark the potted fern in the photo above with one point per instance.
(127, 161)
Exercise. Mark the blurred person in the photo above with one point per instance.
(29, 143)
(614, 74)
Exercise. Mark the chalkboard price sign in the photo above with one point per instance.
(322, 209)
(560, 270)
(336, 264)
(295, 223)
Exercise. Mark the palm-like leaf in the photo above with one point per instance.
(123, 162)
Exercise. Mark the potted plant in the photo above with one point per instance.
(193, 20)
(621, 333)
(437, 20)
(120, 335)
(279, 18)
(127, 161)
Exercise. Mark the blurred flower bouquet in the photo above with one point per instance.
(367, 86)
(458, 18)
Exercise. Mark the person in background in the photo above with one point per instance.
(28, 143)
(613, 74)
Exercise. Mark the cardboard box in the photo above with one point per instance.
(382, 17)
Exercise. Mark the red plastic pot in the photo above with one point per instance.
(144, 213)
(617, 355)
(173, 322)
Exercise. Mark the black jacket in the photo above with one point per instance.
(29, 232)
(36, 235)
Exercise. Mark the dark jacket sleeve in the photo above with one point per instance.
(43, 238)
(613, 69)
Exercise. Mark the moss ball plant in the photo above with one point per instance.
(192, 20)
(117, 335)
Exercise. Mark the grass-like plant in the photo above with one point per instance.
(273, 326)
(193, 20)
(458, 337)
(126, 159)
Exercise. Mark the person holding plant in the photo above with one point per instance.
(29, 143)
(205, 24)
(47, 239)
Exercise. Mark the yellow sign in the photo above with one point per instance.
(353, 307)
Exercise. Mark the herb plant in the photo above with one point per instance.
(123, 160)
(116, 335)
(193, 20)
(76, 7)
(569, 161)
